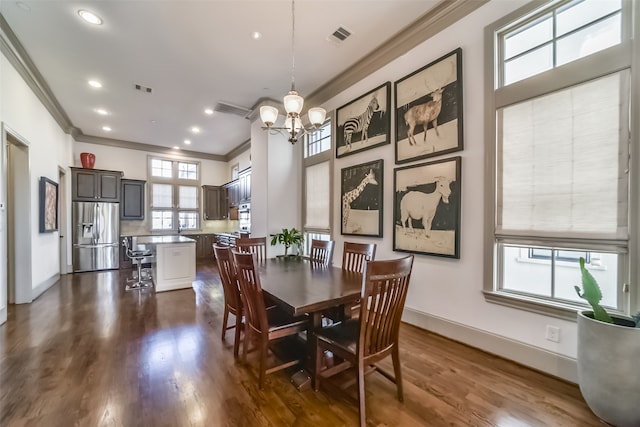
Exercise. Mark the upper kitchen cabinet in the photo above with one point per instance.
(215, 202)
(244, 186)
(94, 185)
(132, 204)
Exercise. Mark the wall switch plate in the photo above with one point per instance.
(553, 333)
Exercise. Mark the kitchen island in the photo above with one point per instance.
(174, 266)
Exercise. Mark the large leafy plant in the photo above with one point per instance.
(593, 295)
(288, 238)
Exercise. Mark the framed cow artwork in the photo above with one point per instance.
(426, 209)
(429, 110)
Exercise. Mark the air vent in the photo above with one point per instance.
(143, 89)
(225, 107)
(339, 35)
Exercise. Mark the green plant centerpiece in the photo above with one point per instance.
(288, 238)
(608, 354)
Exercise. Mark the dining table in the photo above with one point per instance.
(301, 287)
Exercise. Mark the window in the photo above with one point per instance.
(175, 199)
(317, 172)
(558, 131)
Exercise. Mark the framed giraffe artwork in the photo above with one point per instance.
(365, 122)
(426, 208)
(428, 104)
(361, 198)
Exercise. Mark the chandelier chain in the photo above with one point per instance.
(293, 52)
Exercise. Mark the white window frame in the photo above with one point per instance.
(596, 65)
(176, 183)
(312, 160)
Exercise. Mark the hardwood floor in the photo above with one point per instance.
(87, 353)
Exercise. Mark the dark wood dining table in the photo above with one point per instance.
(301, 287)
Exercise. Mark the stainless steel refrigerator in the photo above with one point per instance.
(95, 236)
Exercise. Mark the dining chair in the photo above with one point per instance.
(232, 300)
(321, 253)
(268, 327)
(362, 342)
(254, 245)
(354, 255)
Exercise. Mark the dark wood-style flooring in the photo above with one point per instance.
(87, 353)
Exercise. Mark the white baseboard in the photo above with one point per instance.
(539, 359)
(42, 287)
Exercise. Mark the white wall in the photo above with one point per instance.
(448, 289)
(49, 148)
(243, 160)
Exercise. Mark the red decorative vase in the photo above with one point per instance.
(88, 160)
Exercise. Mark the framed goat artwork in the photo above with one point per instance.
(426, 208)
(361, 196)
(364, 122)
(429, 110)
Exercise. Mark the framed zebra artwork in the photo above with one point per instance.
(361, 196)
(426, 208)
(428, 105)
(364, 123)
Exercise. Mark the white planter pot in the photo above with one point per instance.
(609, 369)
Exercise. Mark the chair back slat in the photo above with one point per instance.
(227, 275)
(251, 291)
(321, 253)
(384, 292)
(254, 245)
(354, 255)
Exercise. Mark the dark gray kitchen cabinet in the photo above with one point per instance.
(95, 185)
(132, 204)
(215, 202)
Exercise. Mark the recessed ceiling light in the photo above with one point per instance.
(195, 129)
(106, 128)
(90, 17)
(256, 35)
(175, 147)
(102, 111)
(208, 111)
(95, 83)
(153, 122)
(186, 141)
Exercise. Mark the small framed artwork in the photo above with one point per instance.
(429, 110)
(364, 122)
(426, 210)
(361, 196)
(48, 205)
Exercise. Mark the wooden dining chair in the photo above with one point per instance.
(363, 342)
(268, 327)
(232, 300)
(354, 255)
(254, 245)
(321, 253)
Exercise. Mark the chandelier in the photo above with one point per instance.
(292, 103)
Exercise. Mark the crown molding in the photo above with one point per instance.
(130, 145)
(431, 23)
(238, 150)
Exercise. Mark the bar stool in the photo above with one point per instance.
(136, 256)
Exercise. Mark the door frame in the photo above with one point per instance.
(62, 218)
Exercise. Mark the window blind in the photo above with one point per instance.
(161, 196)
(563, 160)
(317, 196)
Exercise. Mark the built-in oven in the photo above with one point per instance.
(244, 218)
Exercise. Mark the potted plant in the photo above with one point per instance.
(608, 355)
(288, 238)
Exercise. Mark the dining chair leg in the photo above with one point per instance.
(316, 372)
(395, 356)
(263, 362)
(225, 319)
(245, 344)
(361, 407)
(236, 343)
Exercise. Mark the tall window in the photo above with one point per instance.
(560, 189)
(317, 185)
(175, 199)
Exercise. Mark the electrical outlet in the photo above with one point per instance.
(553, 333)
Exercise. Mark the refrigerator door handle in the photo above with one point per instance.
(96, 220)
(104, 245)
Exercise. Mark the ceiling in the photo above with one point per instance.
(194, 55)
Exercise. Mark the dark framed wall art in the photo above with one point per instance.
(48, 205)
(361, 197)
(428, 105)
(364, 122)
(426, 209)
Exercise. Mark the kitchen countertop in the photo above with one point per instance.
(158, 240)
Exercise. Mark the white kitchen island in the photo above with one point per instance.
(174, 266)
